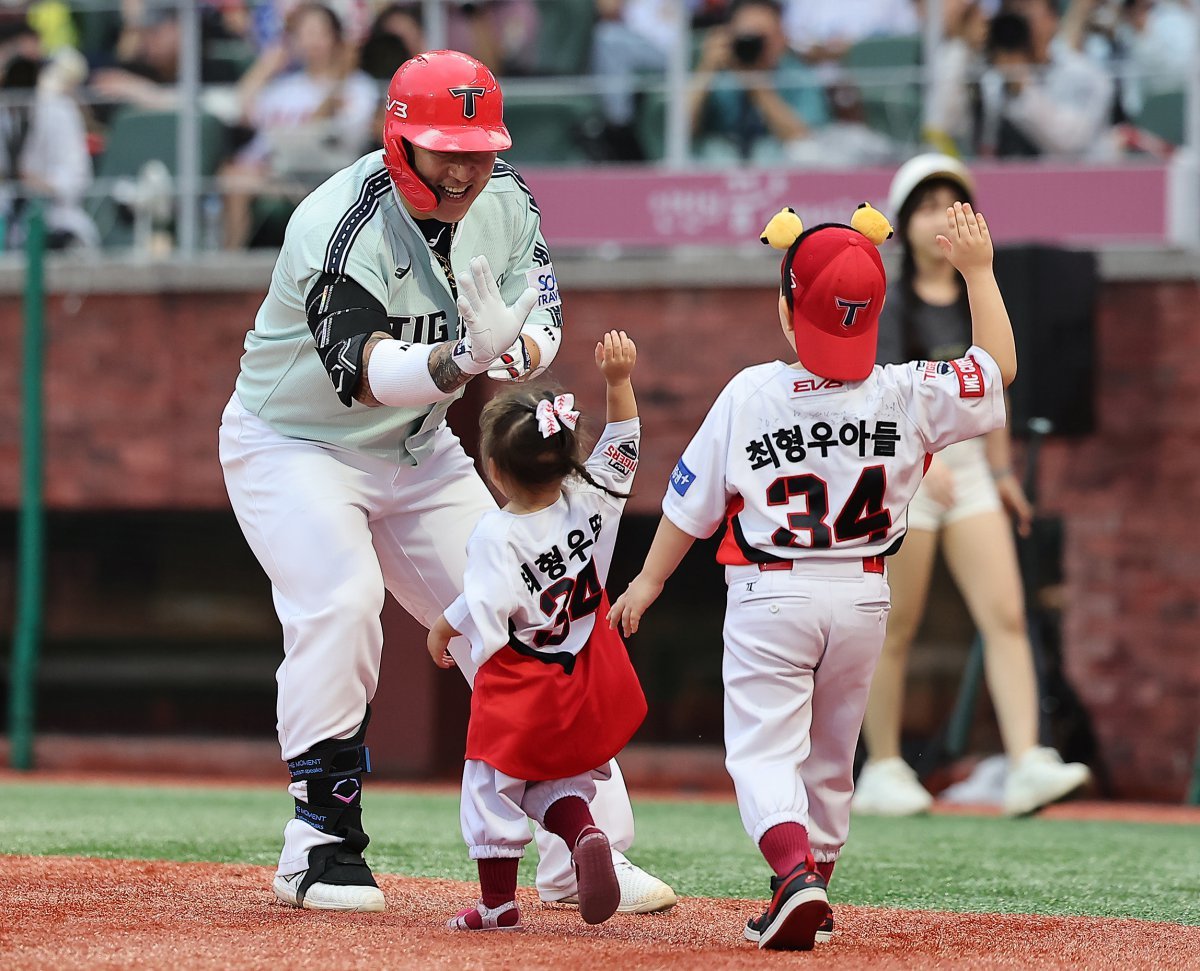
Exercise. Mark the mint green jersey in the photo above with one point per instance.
(354, 225)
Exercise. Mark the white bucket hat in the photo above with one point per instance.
(922, 168)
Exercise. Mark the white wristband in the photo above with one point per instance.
(547, 337)
(399, 375)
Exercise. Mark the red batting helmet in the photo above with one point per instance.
(443, 101)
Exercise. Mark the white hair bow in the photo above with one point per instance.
(551, 416)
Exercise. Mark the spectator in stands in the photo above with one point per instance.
(751, 97)
(44, 140)
(1039, 97)
(395, 36)
(309, 120)
(147, 55)
(143, 66)
(631, 37)
(956, 66)
(269, 19)
(823, 30)
(1156, 41)
(501, 33)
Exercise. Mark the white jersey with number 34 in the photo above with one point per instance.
(804, 466)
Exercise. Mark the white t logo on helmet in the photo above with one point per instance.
(468, 93)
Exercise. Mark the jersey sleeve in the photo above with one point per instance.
(482, 611)
(531, 267)
(311, 240)
(698, 493)
(614, 460)
(950, 401)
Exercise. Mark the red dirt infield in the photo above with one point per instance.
(68, 913)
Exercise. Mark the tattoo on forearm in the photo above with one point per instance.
(447, 375)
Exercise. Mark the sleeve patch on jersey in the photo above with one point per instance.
(931, 369)
(542, 279)
(622, 457)
(682, 478)
(970, 377)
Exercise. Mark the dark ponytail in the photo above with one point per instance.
(512, 439)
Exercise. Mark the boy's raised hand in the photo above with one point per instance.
(615, 356)
(967, 243)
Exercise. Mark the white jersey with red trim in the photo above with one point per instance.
(804, 466)
(539, 577)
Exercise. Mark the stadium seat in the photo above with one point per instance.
(891, 107)
(651, 124)
(565, 37)
(134, 138)
(545, 129)
(1163, 114)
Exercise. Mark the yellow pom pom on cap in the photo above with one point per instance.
(784, 229)
(871, 223)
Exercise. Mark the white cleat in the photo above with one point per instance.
(327, 896)
(1040, 777)
(889, 788)
(641, 892)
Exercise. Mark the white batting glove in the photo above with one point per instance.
(514, 364)
(489, 326)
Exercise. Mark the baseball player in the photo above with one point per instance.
(812, 465)
(555, 695)
(339, 465)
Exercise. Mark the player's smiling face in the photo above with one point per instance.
(459, 177)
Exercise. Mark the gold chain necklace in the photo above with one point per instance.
(444, 261)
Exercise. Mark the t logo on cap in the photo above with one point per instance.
(852, 307)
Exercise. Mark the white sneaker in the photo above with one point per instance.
(1040, 777)
(889, 788)
(641, 892)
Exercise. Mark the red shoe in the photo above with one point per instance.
(599, 891)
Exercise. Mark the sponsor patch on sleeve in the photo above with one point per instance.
(970, 377)
(931, 369)
(682, 478)
(622, 457)
(543, 280)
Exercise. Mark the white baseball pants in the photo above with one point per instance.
(800, 649)
(333, 529)
(496, 808)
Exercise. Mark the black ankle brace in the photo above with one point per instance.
(333, 770)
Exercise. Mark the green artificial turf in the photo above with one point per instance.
(961, 863)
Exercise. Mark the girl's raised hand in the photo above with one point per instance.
(967, 243)
(615, 356)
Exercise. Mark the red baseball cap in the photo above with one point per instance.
(836, 287)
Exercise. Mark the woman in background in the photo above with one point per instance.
(962, 503)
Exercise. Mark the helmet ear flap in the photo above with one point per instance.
(397, 157)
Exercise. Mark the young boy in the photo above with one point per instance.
(811, 466)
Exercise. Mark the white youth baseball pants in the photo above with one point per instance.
(800, 649)
(333, 529)
(496, 808)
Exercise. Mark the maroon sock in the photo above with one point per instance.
(498, 880)
(568, 817)
(826, 870)
(785, 847)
